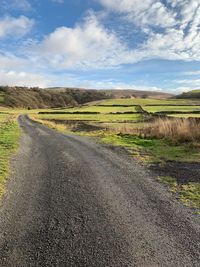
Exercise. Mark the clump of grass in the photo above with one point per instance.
(9, 135)
(176, 129)
(189, 194)
(170, 181)
(53, 125)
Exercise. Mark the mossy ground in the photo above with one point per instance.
(9, 136)
(189, 194)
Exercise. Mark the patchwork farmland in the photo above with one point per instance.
(124, 111)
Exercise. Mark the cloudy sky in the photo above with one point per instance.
(139, 44)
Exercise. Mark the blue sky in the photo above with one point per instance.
(122, 44)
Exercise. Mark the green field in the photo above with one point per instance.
(92, 117)
(171, 108)
(179, 105)
(154, 150)
(144, 102)
(100, 109)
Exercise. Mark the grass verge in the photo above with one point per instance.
(154, 150)
(189, 194)
(9, 136)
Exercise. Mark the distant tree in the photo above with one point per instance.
(144, 96)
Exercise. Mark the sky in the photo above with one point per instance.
(101, 44)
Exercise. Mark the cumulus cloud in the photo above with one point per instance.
(86, 45)
(13, 78)
(91, 45)
(15, 27)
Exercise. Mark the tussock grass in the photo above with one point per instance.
(176, 129)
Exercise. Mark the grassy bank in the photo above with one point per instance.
(9, 136)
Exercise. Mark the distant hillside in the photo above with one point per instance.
(194, 94)
(129, 93)
(22, 97)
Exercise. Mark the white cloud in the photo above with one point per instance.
(179, 38)
(13, 78)
(8, 61)
(81, 82)
(142, 13)
(23, 5)
(15, 27)
(191, 82)
(191, 73)
(91, 45)
(87, 45)
(111, 84)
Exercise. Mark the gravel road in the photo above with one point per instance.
(73, 202)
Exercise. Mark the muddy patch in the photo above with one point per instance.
(183, 172)
(85, 127)
(80, 126)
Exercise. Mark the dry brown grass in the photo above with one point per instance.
(176, 129)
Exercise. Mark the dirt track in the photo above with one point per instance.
(73, 202)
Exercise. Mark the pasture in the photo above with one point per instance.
(92, 117)
(146, 101)
(100, 109)
(188, 109)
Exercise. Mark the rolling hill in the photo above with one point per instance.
(58, 97)
(194, 94)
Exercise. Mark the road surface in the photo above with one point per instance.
(73, 202)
